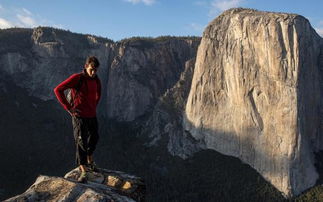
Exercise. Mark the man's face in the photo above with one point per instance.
(91, 71)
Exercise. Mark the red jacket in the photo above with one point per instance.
(86, 100)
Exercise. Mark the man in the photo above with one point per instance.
(85, 91)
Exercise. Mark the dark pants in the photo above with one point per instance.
(86, 137)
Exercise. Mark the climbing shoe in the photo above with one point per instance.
(92, 167)
(83, 177)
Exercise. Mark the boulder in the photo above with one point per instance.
(105, 185)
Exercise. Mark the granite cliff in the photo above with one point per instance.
(142, 71)
(256, 94)
(39, 59)
(36, 59)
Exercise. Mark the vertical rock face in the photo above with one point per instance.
(133, 73)
(165, 123)
(39, 59)
(142, 70)
(255, 94)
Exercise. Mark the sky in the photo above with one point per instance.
(119, 19)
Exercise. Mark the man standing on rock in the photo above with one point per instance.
(85, 93)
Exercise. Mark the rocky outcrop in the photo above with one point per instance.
(255, 94)
(106, 185)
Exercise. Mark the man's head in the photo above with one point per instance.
(91, 65)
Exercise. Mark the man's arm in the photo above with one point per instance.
(70, 82)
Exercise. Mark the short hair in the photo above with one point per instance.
(93, 61)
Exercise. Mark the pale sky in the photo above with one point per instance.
(118, 19)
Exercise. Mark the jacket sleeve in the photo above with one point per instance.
(99, 92)
(70, 82)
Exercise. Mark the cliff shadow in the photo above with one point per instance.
(265, 163)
